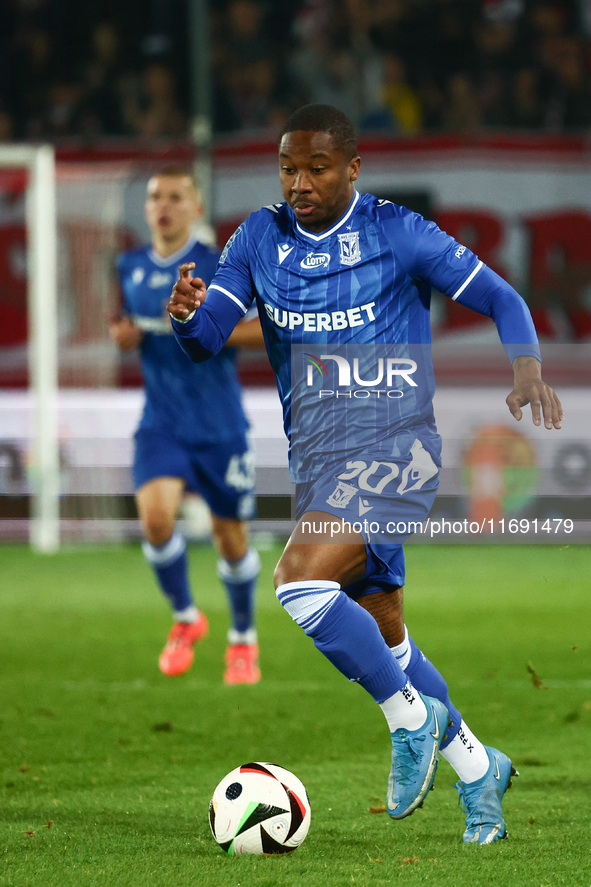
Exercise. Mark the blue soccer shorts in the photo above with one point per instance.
(222, 473)
(383, 497)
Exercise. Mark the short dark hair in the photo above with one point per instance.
(324, 118)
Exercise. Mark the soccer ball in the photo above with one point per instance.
(259, 808)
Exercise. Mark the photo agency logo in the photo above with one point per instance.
(359, 377)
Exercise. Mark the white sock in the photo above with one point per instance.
(467, 755)
(405, 709)
(402, 652)
(189, 614)
(242, 637)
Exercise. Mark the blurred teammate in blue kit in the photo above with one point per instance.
(193, 431)
(343, 283)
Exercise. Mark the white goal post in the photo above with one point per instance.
(39, 162)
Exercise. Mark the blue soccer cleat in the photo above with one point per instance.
(414, 760)
(481, 800)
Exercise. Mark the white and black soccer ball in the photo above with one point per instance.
(259, 808)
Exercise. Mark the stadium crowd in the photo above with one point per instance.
(400, 67)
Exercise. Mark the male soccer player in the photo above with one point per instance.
(193, 432)
(342, 282)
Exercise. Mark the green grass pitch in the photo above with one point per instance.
(107, 767)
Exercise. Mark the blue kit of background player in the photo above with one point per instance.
(192, 436)
(193, 424)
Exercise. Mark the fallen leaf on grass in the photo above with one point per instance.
(409, 860)
(535, 678)
(381, 808)
(163, 727)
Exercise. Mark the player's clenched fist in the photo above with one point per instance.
(188, 293)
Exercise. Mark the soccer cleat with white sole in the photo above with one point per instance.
(482, 800)
(414, 760)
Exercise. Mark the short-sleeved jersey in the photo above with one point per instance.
(362, 284)
(197, 403)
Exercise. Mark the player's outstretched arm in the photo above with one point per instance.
(188, 293)
(529, 387)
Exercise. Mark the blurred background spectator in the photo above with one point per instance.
(403, 67)
(153, 111)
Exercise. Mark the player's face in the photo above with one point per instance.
(317, 179)
(172, 207)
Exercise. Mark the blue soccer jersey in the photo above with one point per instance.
(328, 300)
(198, 404)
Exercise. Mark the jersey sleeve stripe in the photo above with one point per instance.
(466, 282)
(214, 286)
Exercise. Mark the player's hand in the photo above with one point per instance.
(530, 388)
(188, 293)
(125, 332)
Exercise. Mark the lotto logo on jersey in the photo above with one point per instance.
(315, 260)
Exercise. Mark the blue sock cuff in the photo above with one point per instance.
(384, 679)
(243, 570)
(163, 555)
(308, 602)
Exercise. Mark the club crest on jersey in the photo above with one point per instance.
(315, 260)
(342, 495)
(350, 250)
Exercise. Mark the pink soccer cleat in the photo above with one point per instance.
(242, 664)
(178, 654)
